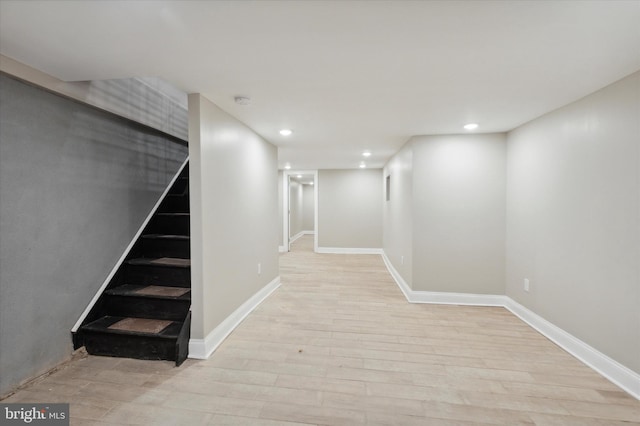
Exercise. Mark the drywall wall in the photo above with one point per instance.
(459, 213)
(350, 208)
(295, 208)
(76, 183)
(573, 219)
(280, 209)
(398, 212)
(308, 208)
(234, 213)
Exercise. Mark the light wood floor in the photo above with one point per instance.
(338, 344)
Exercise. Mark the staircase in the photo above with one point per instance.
(144, 311)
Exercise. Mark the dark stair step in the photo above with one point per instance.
(167, 271)
(180, 186)
(168, 262)
(151, 291)
(175, 203)
(148, 301)
(170, 223)
(162, 245)
(140, 338)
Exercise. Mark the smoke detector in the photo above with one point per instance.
(242, 100)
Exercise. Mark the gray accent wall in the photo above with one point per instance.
(76, 183)
(350, 208)
(573, 219)
(149, 101)
(234, 213)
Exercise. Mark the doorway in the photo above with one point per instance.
(300, 206)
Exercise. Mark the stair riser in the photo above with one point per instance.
(176, 225)
(180, 187)
(144, 307)
(175, 205)
(165, 248)
(129, 346)
(158, 275)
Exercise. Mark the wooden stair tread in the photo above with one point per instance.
(166, 237)
(147, 327)
(162, 261)
(152, 291)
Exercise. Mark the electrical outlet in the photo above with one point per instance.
(259, 268)
(526, 284)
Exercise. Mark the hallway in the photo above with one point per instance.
(338, 344)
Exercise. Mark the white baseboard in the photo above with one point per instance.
(609, 368)
(300, 234)
(441, 298)
(127, 250)
(615, 372)
(282, 249)
(343, 250)
(203, 348)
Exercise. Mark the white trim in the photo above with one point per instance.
(203, 348)
(345, 250)
(282, 249)
(126, 251)
(615, 372)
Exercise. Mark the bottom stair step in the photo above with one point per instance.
(146, 327)
(141, 338)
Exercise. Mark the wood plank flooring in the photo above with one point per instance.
(338, 344)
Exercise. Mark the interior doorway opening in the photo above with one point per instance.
(300, 206)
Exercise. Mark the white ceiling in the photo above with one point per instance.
(345, 76)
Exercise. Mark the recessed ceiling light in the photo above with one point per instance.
(362, 165)
(242, 100)
(366, 154)
(310, 183)
(287, 166)
(299, 176)
(471, 126)
(286, 132)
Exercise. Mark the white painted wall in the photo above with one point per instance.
(459, 213)
(573, 219)
(398, 212)
(350, 208)
(234, 194)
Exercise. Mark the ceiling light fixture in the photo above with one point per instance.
(286, 132)
(287, 166)
(299, 176)
(471, 126)
(242, 100)
(362, 165)
(366, 154)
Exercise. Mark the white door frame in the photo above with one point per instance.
(286, 212)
